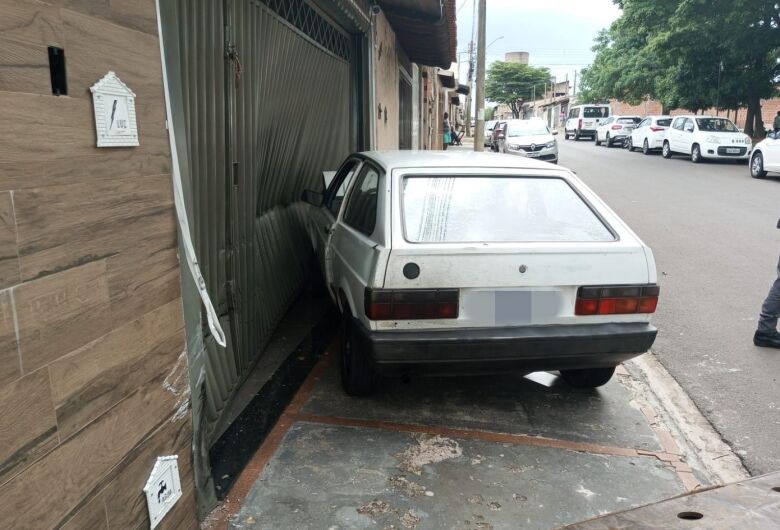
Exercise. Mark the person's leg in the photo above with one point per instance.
(770, 310)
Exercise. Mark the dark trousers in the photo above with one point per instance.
(770, 310)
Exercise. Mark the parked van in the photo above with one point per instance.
(584, 119)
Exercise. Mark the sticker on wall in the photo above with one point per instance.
(114, 105)
(163, 488)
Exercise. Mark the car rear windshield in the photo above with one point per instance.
(666, 122)
(595, 112)
(527, 128)
(460, 209)
(629, 120)
(716, 125)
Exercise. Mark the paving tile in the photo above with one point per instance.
(503, 403)
(346, 477)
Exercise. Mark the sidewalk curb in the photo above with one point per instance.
(717, 460)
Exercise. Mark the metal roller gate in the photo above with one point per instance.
(265, 95)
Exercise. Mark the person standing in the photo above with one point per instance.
(767, 335)
(447, 131)
(776, 124)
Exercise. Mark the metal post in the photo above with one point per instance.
(717, 97)
(479, 137)
(468, 96)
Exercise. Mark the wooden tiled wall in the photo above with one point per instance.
(93, 378)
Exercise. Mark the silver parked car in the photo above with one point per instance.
(530, 138)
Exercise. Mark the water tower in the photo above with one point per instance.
(516, 57)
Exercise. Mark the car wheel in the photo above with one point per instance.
(357, 374)
(576, 136)
(596, 138)
(628, 143)
(666, 152)
(609, 141)
(646, 147)
(696, 154)
(757, 166)
(588, 377)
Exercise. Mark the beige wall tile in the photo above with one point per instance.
(9, 259)
(61, 312)
(27, 425)
(10, 367)
(95, 377)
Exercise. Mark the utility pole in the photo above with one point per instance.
(717, 97)
(471, 83)
(574, 92)
(479, 136)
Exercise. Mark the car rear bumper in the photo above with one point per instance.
(487, 350)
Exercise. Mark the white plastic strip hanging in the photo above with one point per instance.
(181, 211)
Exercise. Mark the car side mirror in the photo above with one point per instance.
(314, 198)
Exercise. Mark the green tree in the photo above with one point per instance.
(692, 54)
(514, 83)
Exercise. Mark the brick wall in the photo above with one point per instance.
(93, 382)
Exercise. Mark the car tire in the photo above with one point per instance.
(696, 154)
(608, 143)
(588, 377)
(358, 377)
(596, 138)
(646, 147)
(757, 166)
(666, 152)
(629, 144)
(577, 136)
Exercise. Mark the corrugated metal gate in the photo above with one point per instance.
(264, 98)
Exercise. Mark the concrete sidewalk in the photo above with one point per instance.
(462, 453)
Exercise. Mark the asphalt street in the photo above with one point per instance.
(712, 230)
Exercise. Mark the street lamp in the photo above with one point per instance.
(493, 42)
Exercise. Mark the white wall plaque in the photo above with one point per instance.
(163, 488)
(114, 105)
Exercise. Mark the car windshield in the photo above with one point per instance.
(716, 125)
(595, 112)
(666, 122)
(463, 209)
(527, 129)
(629, 120)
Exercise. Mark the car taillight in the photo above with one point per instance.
(616, 127)
(411, 304)
(580, 124)
(657, 129)
(617, 300)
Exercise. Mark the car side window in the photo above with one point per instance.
(362, 204)
(678, 124)
(338, 188)
(688, 127)
(643, 123)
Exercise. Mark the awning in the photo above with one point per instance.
(426, 29)
(447, 79)
(463, 89)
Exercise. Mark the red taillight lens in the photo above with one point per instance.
(411, 304)
(616, 127)
(657, 129)
(580, 124)
(617, 300)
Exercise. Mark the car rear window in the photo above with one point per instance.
(595, 112)
(460, 209)
(666, 122)
(629, 120)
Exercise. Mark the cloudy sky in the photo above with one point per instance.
(557, 33)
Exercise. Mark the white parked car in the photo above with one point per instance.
(531, 138)
(463, 262)
(615, 129)
(766, 156)
(649, 134)
(489, 126)
(702, 137)
(583, 120)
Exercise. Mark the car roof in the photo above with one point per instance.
(444, 159)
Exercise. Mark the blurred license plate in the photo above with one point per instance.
(732, 150)
(519, 307)
(629, 129)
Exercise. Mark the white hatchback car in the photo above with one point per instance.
(471, 263)
(615, 129)
(649, 134)
(702, 137)
(766, 156)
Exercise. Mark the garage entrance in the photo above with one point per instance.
(265, 95)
